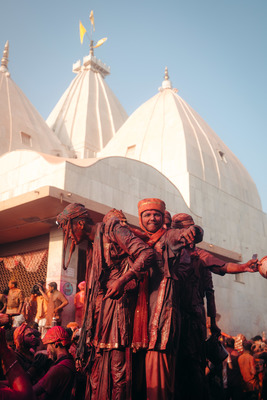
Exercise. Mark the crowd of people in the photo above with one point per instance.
(140, 325)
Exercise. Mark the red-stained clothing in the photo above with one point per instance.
(122, 251)
(109, 322)
(58, 381)
(191, 358)
(172, 266)
(248, 371)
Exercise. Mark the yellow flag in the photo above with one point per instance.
(82, 32)
(92, 19)
(100, 42)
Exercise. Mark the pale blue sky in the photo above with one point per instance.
(215, 51)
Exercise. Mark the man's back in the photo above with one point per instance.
(248, 371)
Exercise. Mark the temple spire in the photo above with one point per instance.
(166, 84)
(4, 61)
(166, 74)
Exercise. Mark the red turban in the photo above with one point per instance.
(64, 219)
(180, 221)
(19, 335)
(114, 213)
(57, 334)
(70, 212)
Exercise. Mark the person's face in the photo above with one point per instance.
(51, 289)
(77, 232)
(51, 351)
(152, 220)
(31, 340)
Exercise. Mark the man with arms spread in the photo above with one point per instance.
(192, 359)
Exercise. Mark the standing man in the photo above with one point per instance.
(248, 371)
(15, 301)
(42, 300)
(120, 260)
(171, 266)
(79, 303)
(56, 302)
(192, 357)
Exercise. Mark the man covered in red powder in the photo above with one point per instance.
(19, 386)
(171, 266)
(119, 261)
(192, 359)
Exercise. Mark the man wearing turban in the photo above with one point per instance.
(192, 358)
(171, 266)
(26, 340)
(58, 382)
(118, 263)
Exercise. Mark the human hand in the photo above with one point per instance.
(115, 291)
(40, 361)
(251, 265)
(4, 319)
(189, 234)
(215, 330)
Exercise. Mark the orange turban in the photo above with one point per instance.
(180, 221)
(151, 204)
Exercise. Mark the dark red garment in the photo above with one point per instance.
(191, 359)
(58, 382)
(122, 251)
(172, 266)
(108, 324)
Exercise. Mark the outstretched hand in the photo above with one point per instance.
(251, 265)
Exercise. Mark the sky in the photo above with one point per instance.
(215, 51)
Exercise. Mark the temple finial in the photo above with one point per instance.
(166, 76)
(4, 61)
(91, 47)
(166, 84)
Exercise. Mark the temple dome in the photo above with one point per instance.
(22, 127)
(166, 133)
(88, 114)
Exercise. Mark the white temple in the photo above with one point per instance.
(94, 155)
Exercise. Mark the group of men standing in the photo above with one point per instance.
(144, 302)
(42, 306)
